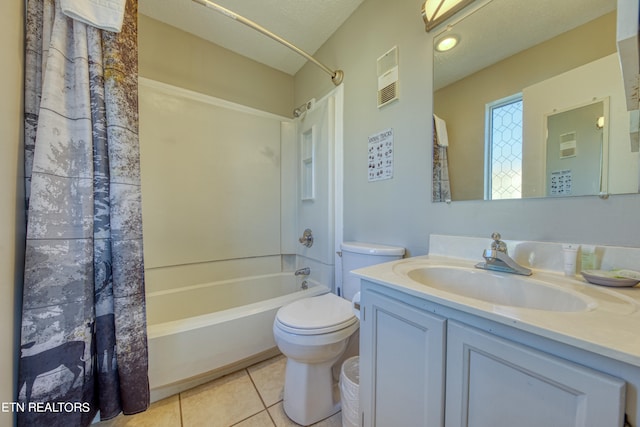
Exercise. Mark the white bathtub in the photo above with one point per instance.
(197, 331)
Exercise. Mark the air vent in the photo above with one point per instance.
(387, 94)
(568, 145)
(388, 77)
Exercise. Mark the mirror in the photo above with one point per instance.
(518, 68)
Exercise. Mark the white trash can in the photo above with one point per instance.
(349, 392)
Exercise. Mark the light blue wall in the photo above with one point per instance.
(399, 211)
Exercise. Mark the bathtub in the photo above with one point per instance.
(199, 332)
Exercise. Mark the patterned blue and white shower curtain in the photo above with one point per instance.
(83, 343)
(441, 184)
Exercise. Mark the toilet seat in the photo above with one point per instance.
(318, 315)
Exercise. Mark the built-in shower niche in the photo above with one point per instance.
(307, 175)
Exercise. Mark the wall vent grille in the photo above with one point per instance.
(387, 67)
(387, 94)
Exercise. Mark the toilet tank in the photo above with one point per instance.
(357, 255)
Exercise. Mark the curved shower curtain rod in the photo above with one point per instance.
(336, 76)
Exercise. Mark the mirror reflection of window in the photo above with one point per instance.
(503, 171)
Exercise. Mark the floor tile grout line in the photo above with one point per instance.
(255, 387)
(271, 418)
(266, 408)
(275, 404)
(250, 416)
(281, 401)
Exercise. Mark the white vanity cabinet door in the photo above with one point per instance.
(401, 364)
(493, 382)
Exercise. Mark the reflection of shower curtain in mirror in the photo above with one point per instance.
(441, 185)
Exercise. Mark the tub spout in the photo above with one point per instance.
(303, 271)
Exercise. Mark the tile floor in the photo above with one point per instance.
(251, 397)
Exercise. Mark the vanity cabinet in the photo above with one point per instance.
(495, 382)
(422, 364)
(402, 362)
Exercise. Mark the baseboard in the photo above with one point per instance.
(186, 384)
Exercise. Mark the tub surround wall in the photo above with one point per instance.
(177, 58)
(368, 206)
(177, 276)
(211, 184)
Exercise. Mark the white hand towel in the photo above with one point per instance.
(104, 14)
(441, 131)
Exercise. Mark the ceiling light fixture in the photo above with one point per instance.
(435, 12)
(447, 43)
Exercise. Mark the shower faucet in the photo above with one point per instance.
(307, 238)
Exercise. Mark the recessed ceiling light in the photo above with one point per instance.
(447, 43)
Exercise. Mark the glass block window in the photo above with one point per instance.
(503, 178)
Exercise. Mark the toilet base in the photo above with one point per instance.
(353, 349)
(310, 394)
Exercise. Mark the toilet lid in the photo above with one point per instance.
(316, 315)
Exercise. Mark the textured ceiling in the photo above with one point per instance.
(305, 23)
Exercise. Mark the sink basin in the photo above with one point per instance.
(501, 289)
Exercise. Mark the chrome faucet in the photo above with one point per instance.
(497, 259)
(303, 272)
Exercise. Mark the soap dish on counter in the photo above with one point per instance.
(608, 278)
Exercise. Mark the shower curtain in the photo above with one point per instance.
(441, 185)
(83, 337)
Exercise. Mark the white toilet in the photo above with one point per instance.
(313, 333)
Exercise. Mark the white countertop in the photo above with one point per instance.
(611, 328)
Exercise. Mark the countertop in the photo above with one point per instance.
(611, 328)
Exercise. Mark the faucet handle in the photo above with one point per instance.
(498, 244)
(307, 238)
